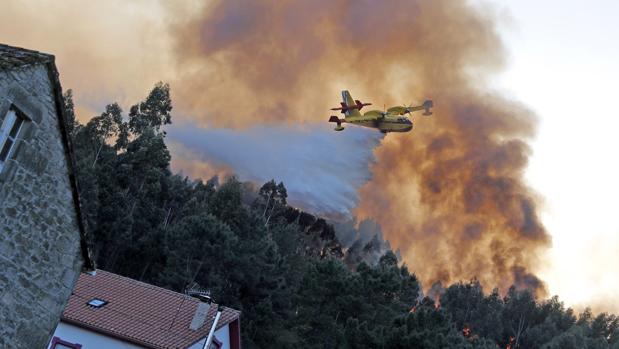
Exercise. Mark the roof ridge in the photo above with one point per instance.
(12, 57)
(18, 48)
(147, 285)
(164, 290)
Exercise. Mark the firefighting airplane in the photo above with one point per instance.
(391, 120)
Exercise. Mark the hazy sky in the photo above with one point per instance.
(564, 64)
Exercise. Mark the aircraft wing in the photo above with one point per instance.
(372, 115)
(399, 110)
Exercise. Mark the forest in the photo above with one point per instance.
(295, 283)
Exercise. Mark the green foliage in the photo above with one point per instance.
(271, 199)
(152, 225)
(428, 328)
(69, 107)
(189, 244)
(153, 112)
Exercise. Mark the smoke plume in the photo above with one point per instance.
(106, 51)
(450, 195)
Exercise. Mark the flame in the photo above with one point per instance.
(511, 343)
(450, 195)
(466, 331)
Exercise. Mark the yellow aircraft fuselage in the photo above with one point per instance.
(384, 123)
(391, 120)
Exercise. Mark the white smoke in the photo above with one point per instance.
(320, 168)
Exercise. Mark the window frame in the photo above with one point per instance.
(58, 341)
(216, 343)
(33, 111)
(8, 133)
(97, 303)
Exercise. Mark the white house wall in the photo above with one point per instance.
(89, 339)
(222, 335)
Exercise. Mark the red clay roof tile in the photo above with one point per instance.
(144, 314)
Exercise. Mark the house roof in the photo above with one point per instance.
(137, 312)
(16, 58)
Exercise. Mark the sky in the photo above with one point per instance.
(564, 64)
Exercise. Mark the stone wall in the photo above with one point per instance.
(39, 236)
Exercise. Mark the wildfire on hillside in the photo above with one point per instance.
(450, 195)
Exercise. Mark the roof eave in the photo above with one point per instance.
(89, 263)
(110, 333)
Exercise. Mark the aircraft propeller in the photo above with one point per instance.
(407, 109)
(425, 106)
(384, 113)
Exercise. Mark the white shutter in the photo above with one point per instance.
(5, 129)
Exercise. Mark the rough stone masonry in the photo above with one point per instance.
(40, 237)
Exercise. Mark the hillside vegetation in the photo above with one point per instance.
(283, 268)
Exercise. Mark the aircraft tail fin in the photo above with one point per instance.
(426, 106)
(350, 103)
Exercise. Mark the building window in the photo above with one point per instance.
(9, 130)
(215, 344)
(97, 303)
(58, 343)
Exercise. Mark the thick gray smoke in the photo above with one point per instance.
(451, 194)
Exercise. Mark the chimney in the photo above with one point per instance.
(203, 307)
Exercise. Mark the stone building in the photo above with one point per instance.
(42, 237)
